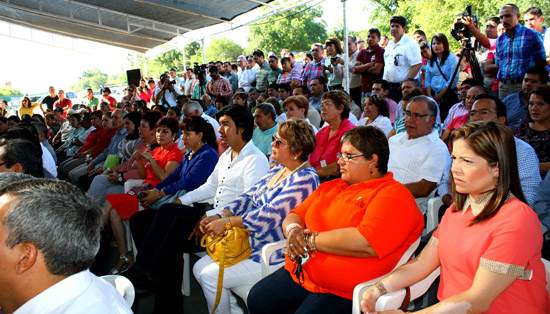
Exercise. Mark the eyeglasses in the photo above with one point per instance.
(416, 116)
(482, 112)
(314, 50)
(277, 142)
(347, 157)
(326, 104)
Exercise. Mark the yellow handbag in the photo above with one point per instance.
(227, 249)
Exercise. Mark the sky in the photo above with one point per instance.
(33, 65)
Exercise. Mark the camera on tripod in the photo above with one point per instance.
(460, 32)
(200, 72)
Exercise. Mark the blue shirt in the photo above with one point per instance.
(528, 169)
(113, 146)
(542, 202)
(192, 172)
(233, 80)
(211, 111)
(263, 139)
(515, 54)
(316, 103)
(435, 80)
(516, 110)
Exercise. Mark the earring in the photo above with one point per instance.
(295, 157)
(371, 173)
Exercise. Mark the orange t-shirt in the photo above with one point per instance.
(509, 240)
(382, 210)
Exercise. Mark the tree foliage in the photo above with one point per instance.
(437, 16)
(223, 49)
(10, 91)
(91, 78)
(295, 30)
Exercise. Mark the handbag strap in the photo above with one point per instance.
(220, 279)
(439, 68)
(407, 300)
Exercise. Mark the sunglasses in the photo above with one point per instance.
(277, 142)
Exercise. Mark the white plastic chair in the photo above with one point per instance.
(432, 214)
(129, 240)
(362, 287)
(267, 251)
(123, 285)
(186, 282)
(393, 300)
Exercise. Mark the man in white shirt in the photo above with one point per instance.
(248, 74)
(45, 258)
(193, 108)
(402, 57)
(166, 93)
(417, 156)
(172, 231)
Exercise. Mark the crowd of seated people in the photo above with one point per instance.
(285, 152)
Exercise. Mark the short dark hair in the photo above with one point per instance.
(470, 81)
(370, 140)
(412, 80)
(375, 31)
(495, 19)
(380, 103)
(399, 20)
(171, 123)
(258, 53)
(242, 118)
(534, 11)
(514, 7)
(274, 57)
(540, 71)
(285, 86)
(198, 124)
(501, 107)
(267, 108)
(14, 119)
(419, 32)
(275, 86)
(385, 84)
(213, 68)
(340, 99)
(24, 152)
(304, 88)
(241, 95)
(152, 117)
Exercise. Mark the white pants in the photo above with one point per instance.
(206, 271)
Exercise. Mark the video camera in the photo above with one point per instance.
(200, 72)
(459, 31)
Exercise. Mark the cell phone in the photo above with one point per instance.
(141, 195)
(304, 260)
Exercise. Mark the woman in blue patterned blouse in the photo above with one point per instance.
(261, 210)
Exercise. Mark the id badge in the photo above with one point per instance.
(323, 163)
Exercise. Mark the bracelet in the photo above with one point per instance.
(311, 244)
(380, 288)
(290, 227)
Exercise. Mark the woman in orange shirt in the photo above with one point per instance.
(489, 241)
(348, 230)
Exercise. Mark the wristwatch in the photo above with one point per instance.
(120, 178)
(228, 223)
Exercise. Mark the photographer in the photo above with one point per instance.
(166, 94)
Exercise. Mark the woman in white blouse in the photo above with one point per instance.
(377, 113)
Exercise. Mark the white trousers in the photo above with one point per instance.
(206, 271)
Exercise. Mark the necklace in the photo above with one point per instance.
(276, 182)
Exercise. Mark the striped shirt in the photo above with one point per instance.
(287, 78)
(263, 209)
(312, 70)
(219, 86)
(515, 54)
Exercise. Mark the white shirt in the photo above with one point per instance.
(48, 163)
(80, 293)
(314, 116)
(247, 77)
(408, 54)
(412, 160)
(354, 79)
(82, 138)
(230, 178)
(381, 122)
(168, 95)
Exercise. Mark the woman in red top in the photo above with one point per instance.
(352, 230)
(334, 111)
(153, 167)
(489, 242)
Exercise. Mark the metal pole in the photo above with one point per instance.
(346, 56)
(203, 52)
(145, 65)
(183, 55)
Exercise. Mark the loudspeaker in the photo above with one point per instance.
(133, 76)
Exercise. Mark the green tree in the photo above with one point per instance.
(10, 91)
(223, 49)
(93, 78)
(295, 30)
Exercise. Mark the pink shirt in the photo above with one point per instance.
(458, 122)
(509, 243)
(327, 149)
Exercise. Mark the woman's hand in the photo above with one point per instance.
(206, 220)
(216, 227)
(295, 245)
(147, 156)
(196, 233)
(368, 301)
(151, 198)
(113, 177)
